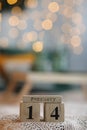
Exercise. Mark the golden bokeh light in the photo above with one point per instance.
(77, 18)
(37, 46)
(75, 41)
(13, 33)
(31, 3)
(47, 24)
(53, 7)
(13, 21)
(22, 25)
(66, 28)
(16, 10)
(32, 36)
(11, 2)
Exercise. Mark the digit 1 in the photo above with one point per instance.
(30, 112)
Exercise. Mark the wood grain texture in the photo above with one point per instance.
(24, 112)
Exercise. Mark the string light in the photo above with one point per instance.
(38, 46)
(47, 24)
(13, 21)
(75, 41)
(53, 7)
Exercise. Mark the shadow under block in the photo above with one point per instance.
(54, 112)
(30, 112)
(42, 98)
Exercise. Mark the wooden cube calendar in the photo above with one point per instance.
(53, 108)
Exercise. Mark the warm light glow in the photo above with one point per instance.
(13, 21)
(13, 33)
(47, 24)
(11, 2)
(53, 7)
(66, 28)
(38, 46)
(32, 36)
(16, 10)
(77, 18)
(75, 41)
(68, 11)
(31, 3)
(22, 25)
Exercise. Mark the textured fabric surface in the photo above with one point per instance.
(75, 119)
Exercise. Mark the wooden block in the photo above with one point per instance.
(54, 112)
(30, 112)
(42, 98)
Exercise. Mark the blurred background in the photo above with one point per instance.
(43, 42)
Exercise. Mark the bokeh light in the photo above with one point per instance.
(11, 2)
(31, 3)
(32, 36)
(47, 24)
(16, 10)
(37, 46)
(68, 11)
(13, 21)
(75, 41)
(53, 7)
